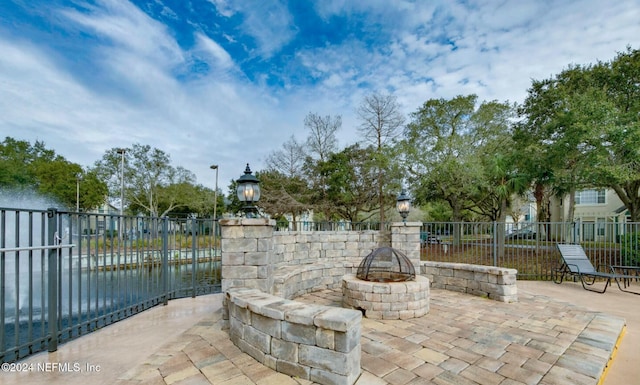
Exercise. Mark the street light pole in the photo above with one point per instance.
(121, 152)
(78, 193)
(215, 195)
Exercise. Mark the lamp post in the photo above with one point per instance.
(248, 192)
(215, 197)
(78, 192)
(121, 152)
(403, 205)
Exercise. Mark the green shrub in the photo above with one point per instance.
(631, 249)
(282, 222)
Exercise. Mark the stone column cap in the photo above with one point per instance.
(406, 224)
(247, 222)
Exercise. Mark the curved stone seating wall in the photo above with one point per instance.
(295, 280)
(306, 261)
(310, 261)
(314, 342)
(256, 256)
(496, 283)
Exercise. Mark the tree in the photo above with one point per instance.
(348, 175)
(289, 160)
(92, 190)
(582, 128)
(282, 194)
(67, 182)
(493, 147)
(322, 139)
(551, 140)
(233, 203)
(453, 153)
(619, 155)
(149, 179)
(26, 166)
(501, 185)
(437, 146)
(197, 200)
(284, 183)
(381, 120)
(320, 144)
(15, 157)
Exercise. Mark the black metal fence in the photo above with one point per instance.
(65, 274)
(530, 248)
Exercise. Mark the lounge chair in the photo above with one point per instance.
(576, 263)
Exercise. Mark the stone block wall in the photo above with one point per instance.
(247, 253)
(405, 236)
(317, 343)
(310, 261)
(303, 247)
(496, 283)
(292, 263)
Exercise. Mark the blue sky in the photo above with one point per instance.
(228, 82)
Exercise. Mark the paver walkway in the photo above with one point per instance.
(470, 340)
(463, 340)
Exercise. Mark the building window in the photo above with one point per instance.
(600, 227)
(590, 197)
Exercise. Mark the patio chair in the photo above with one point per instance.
(576, 263)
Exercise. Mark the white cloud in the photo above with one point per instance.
(267, 21)
(198, 122)
(128, 28)
(219, 57)
(223, 7)
(143, 90)
(376, 9)
(499, 47)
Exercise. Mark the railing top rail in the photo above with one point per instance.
(22, 209)
(27, 248)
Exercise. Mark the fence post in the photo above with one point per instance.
(52, 279)
(165, 259)
(194, 240)
(576, 229)
(495, 243)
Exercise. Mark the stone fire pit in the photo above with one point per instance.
(386, 287)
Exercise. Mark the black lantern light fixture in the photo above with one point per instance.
(248, 192)
(403, 205)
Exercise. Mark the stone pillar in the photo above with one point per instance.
(247, 253)
(405, 236)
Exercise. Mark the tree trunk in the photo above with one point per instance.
(572, 205)
(381, 199)
(571, 213)
(457, 228)
(500, 230)
(628, 194)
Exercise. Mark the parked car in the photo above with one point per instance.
(522, 234)
(426, 238)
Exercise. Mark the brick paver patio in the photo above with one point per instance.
(462, 340)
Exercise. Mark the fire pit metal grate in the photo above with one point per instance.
(386, 264)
